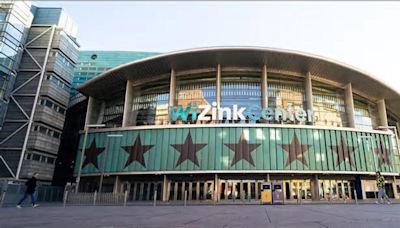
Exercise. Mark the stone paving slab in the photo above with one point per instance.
(315, 215)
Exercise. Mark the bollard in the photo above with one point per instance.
(3, 196)
(185, 198)
(65, 198)
(155, 198)
(355, 196)
(125, 197)
(94, 198)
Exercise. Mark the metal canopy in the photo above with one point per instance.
(113, 81)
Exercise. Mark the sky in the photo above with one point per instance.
(362, 34)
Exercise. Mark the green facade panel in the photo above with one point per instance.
(237, 149)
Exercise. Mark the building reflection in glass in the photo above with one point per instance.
(328, 105)
(150, 105)
(284, 91)
(198, 88)
(242, 89)
(365, 113)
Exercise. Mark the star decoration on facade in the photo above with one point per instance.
(383, 154)
(136, 152)
(343, 152)
(295, 151)
(243, 150)
(188, 150)
(91, 154)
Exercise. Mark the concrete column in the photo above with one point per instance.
(116, 184)
(198, 190)
(190, 196)
(93, 113)
(315, 188)
(309, 94)
(382, 113)
(348, 99)
(268, 178)
(89, 111)
(176, 191)
(172, 91)
(218, 86)
(216, 183)
(398, 128)
(264, 87)
(127, 119)
(164, 189)
(394, 184)
(135, 189)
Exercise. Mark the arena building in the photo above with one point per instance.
(218, 122)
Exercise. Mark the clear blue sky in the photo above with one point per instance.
(362, 34)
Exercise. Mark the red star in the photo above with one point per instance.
(343, 152)
(91, 154)
(188, 150)
(295, 151)
(242, 150)
(136, 152)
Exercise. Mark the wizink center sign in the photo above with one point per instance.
(254, 113)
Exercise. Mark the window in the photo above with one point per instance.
(328, 105)
(36, 157)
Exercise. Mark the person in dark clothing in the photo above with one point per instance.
(30, 191)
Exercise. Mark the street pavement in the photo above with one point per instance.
(311, 215)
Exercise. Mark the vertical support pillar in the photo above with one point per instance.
(382, 113)
(315, 187)
(89, 111)
(219, 86)
(190, 190)
(216, 184)
(309, 95)
(116, 184)
(198, 190)
(127, 116)
(398, 128)
(164, 188)
(348, 97)
(172, 92)
(394, 184)
(268, 178)
(264, 87)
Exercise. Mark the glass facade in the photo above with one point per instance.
(242, 89)
(15, 20)
(328, 105)
(203, 92)
(150, 105)
(365, 113)
(285, 91)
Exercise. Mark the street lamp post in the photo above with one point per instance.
(103, 167)
(78, 178)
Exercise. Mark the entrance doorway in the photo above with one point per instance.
(239, 190)
(336, 190)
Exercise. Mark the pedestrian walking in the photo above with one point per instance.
(380, 183)
(30, 191)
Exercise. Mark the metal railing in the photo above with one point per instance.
(95, 198)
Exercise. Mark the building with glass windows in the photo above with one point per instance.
(15, 20)
(218, 122)
(89, 65)
(38, 94)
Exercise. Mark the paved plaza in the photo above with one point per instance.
(320, 215)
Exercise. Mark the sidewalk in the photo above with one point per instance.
(209, 216)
